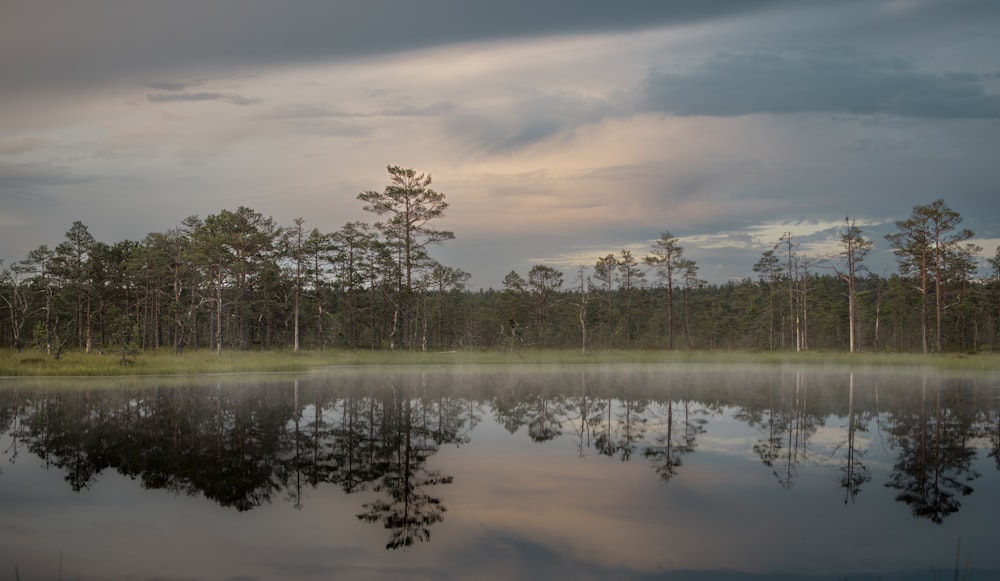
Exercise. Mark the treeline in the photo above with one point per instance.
(238, 280)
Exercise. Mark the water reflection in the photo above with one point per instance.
(854, 472)
(786, 422)
(931, 433)
(244, 446)
(675, 438)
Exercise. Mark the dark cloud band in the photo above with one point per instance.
(195, 97)
(67, 42)
(817, 81)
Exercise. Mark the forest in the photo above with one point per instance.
(237, 280)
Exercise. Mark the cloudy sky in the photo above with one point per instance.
(560, 131)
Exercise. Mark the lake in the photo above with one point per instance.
(679, 472)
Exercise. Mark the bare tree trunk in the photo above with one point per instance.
(218, 315)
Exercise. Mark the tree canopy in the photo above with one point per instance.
(238, 280)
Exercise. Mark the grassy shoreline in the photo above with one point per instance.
(35, 364)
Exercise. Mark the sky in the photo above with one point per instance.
(559, 131)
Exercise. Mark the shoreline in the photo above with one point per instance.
(208, 363)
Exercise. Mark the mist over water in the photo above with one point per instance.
(563, 472)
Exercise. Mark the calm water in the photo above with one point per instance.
(491, 473)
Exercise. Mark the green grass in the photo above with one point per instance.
(163, 362)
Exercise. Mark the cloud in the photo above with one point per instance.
(313, 111)
(590, 122)
(335, 129)
(16, 145)
(841, 80)
(24, 180)
(525, 121)
(230, 98)
(61, 42)
(171, 86)
(30, 192)
(323, 120)
(305, 111)
(432, 110)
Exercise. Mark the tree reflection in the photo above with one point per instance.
(617, 424)
(544, 417)
(508, 405)
(935, 462)
(244, 446)
(995, 441)
(66, 438)
(674, 441)
(988, 422)
(854, 472)
(406, 441)
(788, 424)
(13, 410)
(580, 406)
